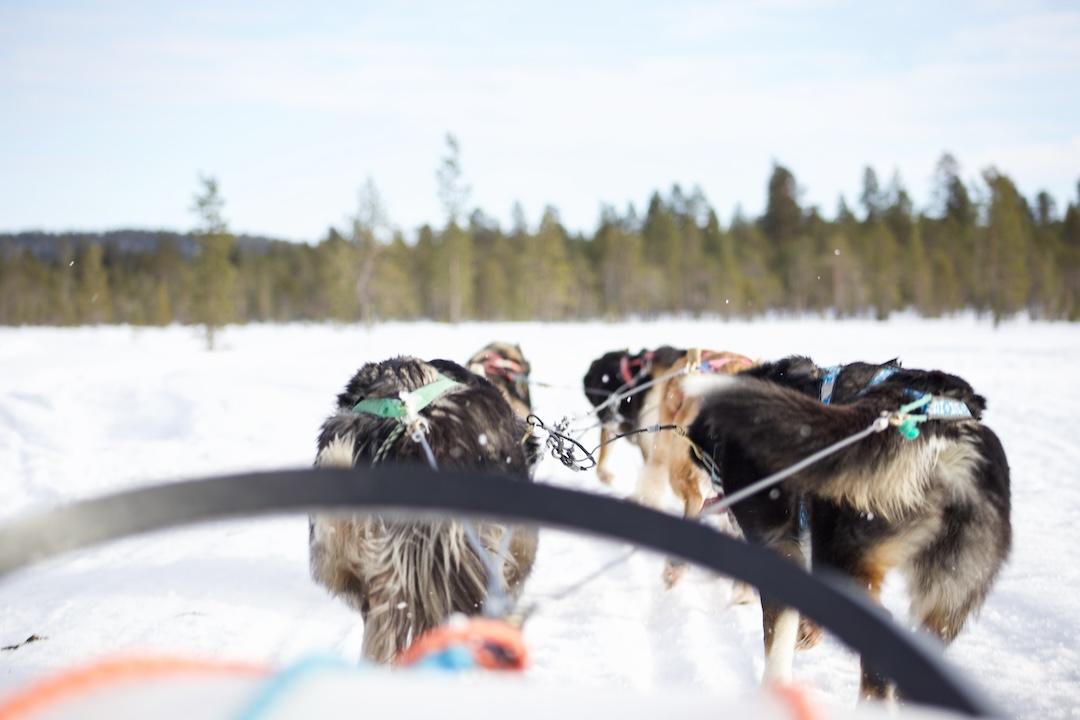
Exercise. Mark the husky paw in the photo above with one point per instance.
(673, 572)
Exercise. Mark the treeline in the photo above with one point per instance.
(982, 247)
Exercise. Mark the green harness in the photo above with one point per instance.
(406, 410)
(409, 404)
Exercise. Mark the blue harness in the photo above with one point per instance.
(939, 407)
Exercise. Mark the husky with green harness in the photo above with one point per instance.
(407, 576)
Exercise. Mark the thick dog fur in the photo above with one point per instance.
(936, 508)
(619, 372)
(505, 366)
(405, 577)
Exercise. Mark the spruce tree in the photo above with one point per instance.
(215, 275)
(954, 236)
(1008, 239)
(1070, 258)
(93, 299)
(665, 251)
(494, 268)
(455, 243)
(782, 225)
(726, 288)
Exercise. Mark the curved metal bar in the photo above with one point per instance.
(913, 661)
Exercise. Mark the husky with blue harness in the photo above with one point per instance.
(408, 576)
(896, 470)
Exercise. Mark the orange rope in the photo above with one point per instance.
(798, 699)
(495, 645)
(110, 671)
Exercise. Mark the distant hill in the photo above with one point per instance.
(46, 246)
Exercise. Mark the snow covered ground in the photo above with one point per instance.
(93, 410)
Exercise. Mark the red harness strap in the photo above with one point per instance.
(713, 362)
(626, 364)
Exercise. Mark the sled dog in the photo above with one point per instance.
(505, 366)
(934, 506)
(667, 463)
(661, 404)
(406, 576)
(610, 385)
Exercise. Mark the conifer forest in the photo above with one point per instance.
(979, 246)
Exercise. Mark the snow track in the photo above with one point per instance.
(92, 410)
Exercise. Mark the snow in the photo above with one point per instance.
(89, 411)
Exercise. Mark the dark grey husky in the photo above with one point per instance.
(407, 576)
(935, 506)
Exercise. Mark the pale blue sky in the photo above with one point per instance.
(109, 111)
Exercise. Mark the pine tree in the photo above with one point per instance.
(1070, 258)
(396, 284)
(872, 199)
(696, 270)
(548, 279)
(618, 259)
(920, 289)
(764, 288)
(953, 241)
(344, 286)
(1008, 238)
(215, 274)
(727, 286)
(16, 288)
(428, 279)
(1047, 295)
(914, 270)
(847, 290)
(791, 249)
(454, 272)
(880, 254)
(363, 261)
(495, 268)
(665, 252)
(161, 313)
(455, 244)
(93, 299)
(65, 284)
(176, 274)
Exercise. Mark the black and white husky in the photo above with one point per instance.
(407, 576)
(935, 506)
(612, 384)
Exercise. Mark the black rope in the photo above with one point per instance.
(565, 448)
